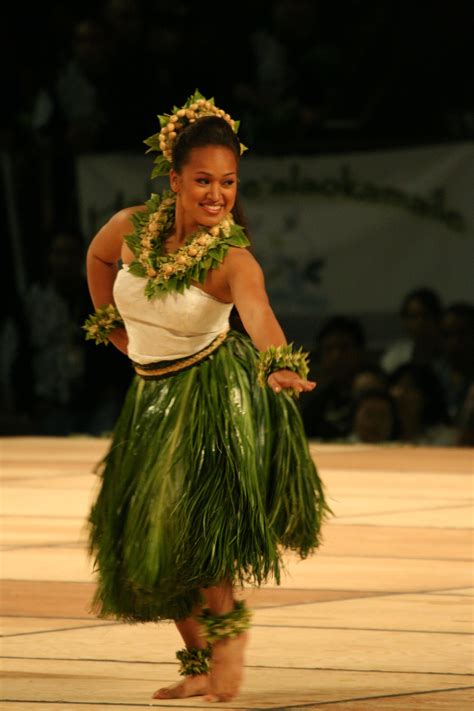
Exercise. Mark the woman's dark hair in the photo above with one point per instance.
(429, 300)
(208, 131)
(435, 411)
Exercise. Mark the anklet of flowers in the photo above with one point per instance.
(193, 661)
(230, 624)
(282, 357)
(99, 324)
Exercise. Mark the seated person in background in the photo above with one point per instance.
(65, 369)
(456, 369)
(340, 353)
(374, 417)
(420, 313)
(465, 421)
(421, 407)
(369, 377)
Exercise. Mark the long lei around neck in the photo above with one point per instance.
(203, 250)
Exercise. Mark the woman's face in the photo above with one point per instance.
(206, 186)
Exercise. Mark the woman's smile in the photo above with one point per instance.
(211, 208)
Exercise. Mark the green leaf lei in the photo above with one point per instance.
(205, 249)
(282, 358)
(230, 624)
(99, 324)
(193, 661)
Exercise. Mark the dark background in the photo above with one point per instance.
(305, 77)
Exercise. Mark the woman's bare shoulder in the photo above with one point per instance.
(124, 216)
(241, 258)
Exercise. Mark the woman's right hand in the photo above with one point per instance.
(120, 339)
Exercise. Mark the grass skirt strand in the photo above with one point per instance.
(208, 478)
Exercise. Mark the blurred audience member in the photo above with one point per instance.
(374, 417)
(340, 353)
(81, 84)
(82, 95)
(457, 367)
(131, 64)
(420, 313)
(369, 377)
(465, 421)
(65, 368)
(421, 407)
(276, 106)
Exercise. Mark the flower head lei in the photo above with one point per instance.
(196, 107)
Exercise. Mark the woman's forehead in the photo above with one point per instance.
(212, 159)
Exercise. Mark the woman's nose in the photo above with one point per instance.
(215, 192)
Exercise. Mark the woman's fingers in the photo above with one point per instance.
(281, 380)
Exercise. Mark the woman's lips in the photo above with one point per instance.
(211, 209)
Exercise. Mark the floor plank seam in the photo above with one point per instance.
(81, 544)
(357, 629)
(114, 704)
(403, 511)
(246, 666)
(63, 629)
(423, 527)
(93, 626)
(370, 698)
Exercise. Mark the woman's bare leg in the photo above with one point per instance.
(197, 685)
(227, 654)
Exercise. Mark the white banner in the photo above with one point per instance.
(334, 234)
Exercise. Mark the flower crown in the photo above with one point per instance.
(196, 107)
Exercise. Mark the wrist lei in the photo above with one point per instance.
(282, 357)
(99, 324)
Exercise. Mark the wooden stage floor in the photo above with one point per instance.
(380, 618)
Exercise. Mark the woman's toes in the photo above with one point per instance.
(191, 686)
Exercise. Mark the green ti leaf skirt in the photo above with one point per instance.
(208, 478)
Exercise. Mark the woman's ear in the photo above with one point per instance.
(174, 181)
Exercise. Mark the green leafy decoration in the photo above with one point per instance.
(228, 625)
(282, 357)
(99, 324)
(193, 661)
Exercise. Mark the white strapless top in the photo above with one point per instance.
(169, 326)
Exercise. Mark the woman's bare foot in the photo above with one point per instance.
(190, 686)
(226, 668)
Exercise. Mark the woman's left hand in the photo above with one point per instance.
(287, 379)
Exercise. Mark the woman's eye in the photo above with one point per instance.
(229, 183)
(203, 181)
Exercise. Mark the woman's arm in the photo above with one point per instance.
(247, 286)
(103, 255)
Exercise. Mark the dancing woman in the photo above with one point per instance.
(208, 479)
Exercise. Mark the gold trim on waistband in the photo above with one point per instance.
(185, 362)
